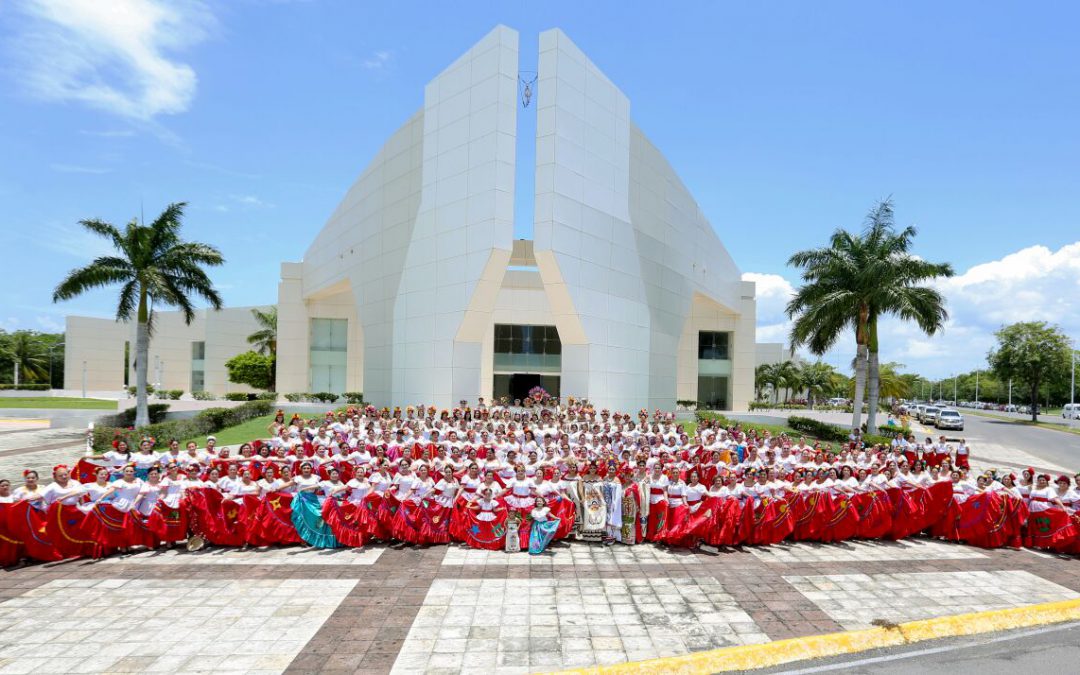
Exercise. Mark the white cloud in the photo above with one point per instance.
(78, 168)
(1033, 284)
(109, 133)
(251, 201)
(378, 60)
(50, 324)
(71, 240)
(116, 55)
(773, 293)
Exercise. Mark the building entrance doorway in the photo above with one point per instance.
(516, 386)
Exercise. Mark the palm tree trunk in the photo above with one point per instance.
(874, 383)
(142, 350)
(860, 387)
(17, 367)
(862, 339)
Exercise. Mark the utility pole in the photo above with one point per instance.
(976, 389)
(954, 389)
(1010, 392)
(1072, 391)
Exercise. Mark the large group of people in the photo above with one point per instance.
(515, 479)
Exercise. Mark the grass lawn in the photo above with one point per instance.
(56, 402)
(241, 433)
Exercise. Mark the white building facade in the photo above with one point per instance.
(415, 290)
(100, 353)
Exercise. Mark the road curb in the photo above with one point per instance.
(749, 657)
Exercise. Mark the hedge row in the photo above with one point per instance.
(822, 431)
(351, 397)
(25, 387)
(209, 421)
(832, 432)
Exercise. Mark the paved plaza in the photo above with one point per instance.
(450, 609)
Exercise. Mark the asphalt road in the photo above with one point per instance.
(1056, 447)
(1049, 649)
(1049, 419)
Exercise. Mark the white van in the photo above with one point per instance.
(1071, 411)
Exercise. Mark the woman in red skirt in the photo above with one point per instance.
(485, 527)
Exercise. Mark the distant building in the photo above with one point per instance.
(415, 290)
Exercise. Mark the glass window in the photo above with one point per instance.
(329, 355)
(198, 366)
(713, 345)
(519, 339)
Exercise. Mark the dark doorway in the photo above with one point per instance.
(517, 385)
(521, 383)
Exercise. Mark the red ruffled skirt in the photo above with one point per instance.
(485, 534)
(350, 522)
(71, 535)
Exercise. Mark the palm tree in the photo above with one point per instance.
(762, 377)
(831, 301)
(851, 283)
(265, 339)
(818, 379)
(27, 356)
(154, 266)
(898, 291)
(893, 383)
(787, 376)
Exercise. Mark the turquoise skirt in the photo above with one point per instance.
(541, 534)
(308, 521)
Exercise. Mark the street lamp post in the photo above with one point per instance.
(84, 379)
(954, 389)
(976, 389)
(1072, 391)
(1010, 392)
(58, 344)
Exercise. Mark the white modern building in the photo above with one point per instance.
(99, 354)
(415, 290)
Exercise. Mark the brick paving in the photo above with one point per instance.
(452, 609)
(428, 610)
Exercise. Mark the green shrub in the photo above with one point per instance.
(126, 418)
(173, 394)
(253, 369)
(354, 397)
(821, 430)
(203, 395)
(295, 397)
(239, 396)
(25, 387)
(132, 390)
(325, 397)
(208, 421)
(266, 396)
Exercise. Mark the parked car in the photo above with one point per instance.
(1071, 411)
(928, 414)
(949, 419)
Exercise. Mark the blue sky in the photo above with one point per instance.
(785, 119)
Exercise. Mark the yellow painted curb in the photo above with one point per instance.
(24, 420)
(749, 657)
